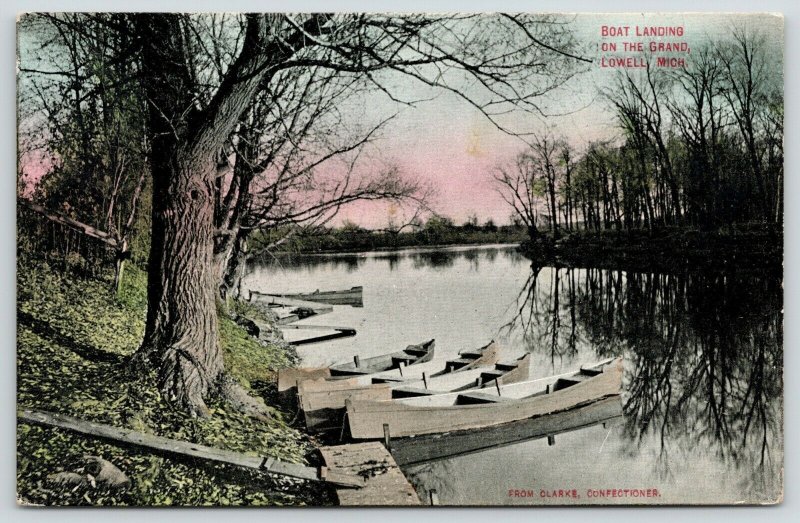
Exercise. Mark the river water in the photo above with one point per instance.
(703, 367)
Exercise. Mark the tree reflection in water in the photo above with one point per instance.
(703, 355)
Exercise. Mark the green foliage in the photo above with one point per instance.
(247, 359)
(73, 340)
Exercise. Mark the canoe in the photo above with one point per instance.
(432, 447)
(426, 378)
(323, 400)
(485, 407)
(303, 308)
(471, 359)
(411, 355)
(352, 296)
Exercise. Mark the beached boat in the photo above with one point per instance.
(411, 355)
(474, 409)
(323, 400)
(352, 296)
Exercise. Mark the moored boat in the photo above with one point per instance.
(467, 360)
(323, 400)
(352, 296)
(501, 373)
(474, 409)
(432, 447)
(411, 355)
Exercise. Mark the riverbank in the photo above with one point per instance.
(73, 338)
(361, 240)
(664, 250)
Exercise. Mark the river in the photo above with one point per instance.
(703, 367)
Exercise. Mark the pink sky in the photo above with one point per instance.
(453, 147)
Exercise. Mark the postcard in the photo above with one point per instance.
(347, 259)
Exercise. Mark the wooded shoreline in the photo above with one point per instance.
(669, 250)
(660, 250)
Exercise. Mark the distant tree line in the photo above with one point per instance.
(437, 230)
(700, 147)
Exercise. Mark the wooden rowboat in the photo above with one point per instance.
(432, 447)
(489, 354)
(483, 408)
(323, 401)
(502, 373)
(411, 355)
(352, 296)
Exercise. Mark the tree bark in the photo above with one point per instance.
(181, 333)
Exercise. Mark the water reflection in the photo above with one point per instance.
(436, 259)
(703, 353)
(704, 356)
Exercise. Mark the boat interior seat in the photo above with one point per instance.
(412, 392)
(415, 351)
(472, 355)
(457, 364)
(475, 398)
(491, 375)
(564, 383)
(387, 379)
(506, 365)
(398, 360)
(591, 372)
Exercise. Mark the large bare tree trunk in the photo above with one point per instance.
(181, 335)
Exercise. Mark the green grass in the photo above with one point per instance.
(72, 341)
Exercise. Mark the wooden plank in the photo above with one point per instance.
(186, 449)
(384, 485)
(421, 449)
(339, 333)
(63, 219)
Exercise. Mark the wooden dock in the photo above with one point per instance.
(385, 484)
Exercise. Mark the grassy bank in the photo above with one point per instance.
(72, 339)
